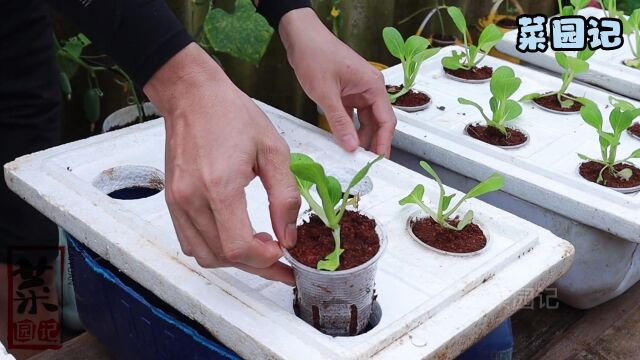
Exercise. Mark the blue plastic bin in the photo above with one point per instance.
(130, 320)
(497, 345)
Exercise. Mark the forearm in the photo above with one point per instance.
(140, 35)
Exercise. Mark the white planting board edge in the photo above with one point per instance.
(4, 355)
(254, 317)
(543, 172)
(606, 69)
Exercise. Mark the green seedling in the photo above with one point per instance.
(443, 213)
(631, 28)
(411, 53)
(333, 200)
(570, 10)
(610, 7)
(572, 66)
(620, 119)
(504, 84)
(472, 54)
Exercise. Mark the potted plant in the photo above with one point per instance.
(412, 54)
(443, 229)
(337, 252)
(504, 84)
(561, 101)
(631, 27)
(620, 175)
(463, 65)
(441, 39)
(505, 22)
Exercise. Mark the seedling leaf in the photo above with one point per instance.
(393, 41)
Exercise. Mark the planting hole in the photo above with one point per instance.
(345, 175)
(374, 318)
(130, 182)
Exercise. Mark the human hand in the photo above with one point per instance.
(339, 81)
(217, 141)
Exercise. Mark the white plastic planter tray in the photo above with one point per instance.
(432, 305)
(606, 68)
(542, 173)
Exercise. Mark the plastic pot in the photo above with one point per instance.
(337, 303)
(127, 116)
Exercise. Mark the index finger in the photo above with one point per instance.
(385, 118)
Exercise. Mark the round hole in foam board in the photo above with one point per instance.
(130, 182)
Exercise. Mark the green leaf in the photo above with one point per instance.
(244, 34)
(466, 220)
(331, 262)
(489, 37)
(578, 66)
(530, 97)
(567, 103)
(504, 83)
(621, 104)
(335, 190)
(91, 104)
(425, 54)
(635, 154)
(297, 158)
(451, 62)
(464, 101)
(494, 182)
(512, 110)
(619, 122)
(363, 172)
(591, 115)
(414, 45)
(65, 85)
(585, 54)
(430, 171)
(446, 201)
(394, 42)
(458, 18)
(561, 59)
(414, 197)
(625, 174)
(580, 4)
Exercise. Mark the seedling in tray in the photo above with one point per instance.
(608, 170)
(631, 28)
(560, 100)
(504, 84)
(333, 200)
(441, 220)
(412, 54)
(464, 64)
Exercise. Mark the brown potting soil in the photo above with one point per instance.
(635, 129)
(358, 237)
(590, 170)
(470, 239)
(134, 122)
(551, 102)
(475, 73)
(410, 99)
(507, 23)
(493, 136)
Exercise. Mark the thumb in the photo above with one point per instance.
(341, 124)
(278, 181)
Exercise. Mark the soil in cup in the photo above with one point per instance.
(590, 170)
(475, 73)
(358, 235)
(493, 136)
(551, 102)
(410, 99)
(468, 240)
(635, 129)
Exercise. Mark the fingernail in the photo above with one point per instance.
(290, 236)
(349, 141)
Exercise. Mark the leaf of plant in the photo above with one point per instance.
(493, 104)
(619, 120)
(464, 101)
(625, 174)
(504, 83)
(430, 171)
(565, 104)
(585, 54)
(446, 201)
(458, 18)
(91, 104)
(414, 45)
(530, 97)
(621, 104)
(244, 34)
(335, 190)
(363, 172)
(584, 157)
(512, 110)
(414, 197)
(578, 66)
(394, 42)
(494, 182)
(635, 154)
(425, 54)
(580, 4)
(451, 62)
(489, 37)
(331, 262)
(561, 59)
(297, 158)
(591, 115)
(466, 220)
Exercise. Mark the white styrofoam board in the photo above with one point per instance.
(606, 69)
(414, 285)
(544, 172)
(4, 355)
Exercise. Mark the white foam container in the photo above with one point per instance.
(4, 355)
(541, 185)
(433, 306)
(606, 69)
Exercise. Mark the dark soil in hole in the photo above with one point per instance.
(439, 40)
(551, 102)
(590, 170)
(134, 122)
(133, 193)
(475, 73)
(468, 240)
(507, 23)
(635, 129)
(358, 235)
(493, 136)
(410, 99)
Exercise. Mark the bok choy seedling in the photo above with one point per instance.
(444, 211)
(620, 119)
(631, 28)
(572, 66)
(411, 53)
(504, 83)
(472, 54)
(333, 200)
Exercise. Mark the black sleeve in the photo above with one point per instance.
(274, 10)
(140, 35)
